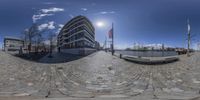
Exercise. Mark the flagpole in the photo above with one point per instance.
(188, 49)
(106, 44)
(112, 39)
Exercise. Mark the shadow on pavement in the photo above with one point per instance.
(60, 58)
(32, 56)
(56, 57)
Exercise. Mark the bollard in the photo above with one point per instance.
(120, 56)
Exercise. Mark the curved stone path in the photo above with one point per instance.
(100, 75)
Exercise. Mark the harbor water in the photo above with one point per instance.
(147, 53)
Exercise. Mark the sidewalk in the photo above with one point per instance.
(98, 76)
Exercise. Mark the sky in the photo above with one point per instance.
(135, 21)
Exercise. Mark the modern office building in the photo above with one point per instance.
(77, 36)
(13, 44)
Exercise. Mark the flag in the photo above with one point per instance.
(110, 33)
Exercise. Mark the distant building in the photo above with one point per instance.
(77, 36)
(13, 44)
(170, 49)
(181, 50)
(97, 45)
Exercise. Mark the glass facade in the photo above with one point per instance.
(77, 33)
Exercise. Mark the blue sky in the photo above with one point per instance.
(135, 21)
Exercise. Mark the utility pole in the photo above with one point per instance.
(189, 36)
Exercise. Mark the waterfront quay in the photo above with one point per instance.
(98, 76)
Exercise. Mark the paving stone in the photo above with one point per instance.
(99, 75)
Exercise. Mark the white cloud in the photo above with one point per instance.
(49, 3)
(103, 12)
(70, 15)
(107, 12)
(60, 27)
(52, 10)
(50, 25)
(84, 9)
(42, 26)
(46, 12)
(40, 16)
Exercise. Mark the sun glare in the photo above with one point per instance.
(100, 24)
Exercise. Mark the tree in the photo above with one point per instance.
(52, 36)
(24, 37)
(31, 32)
(38, 41)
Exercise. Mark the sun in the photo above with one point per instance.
(100, 24)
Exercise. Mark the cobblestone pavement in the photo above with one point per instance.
(100, 75)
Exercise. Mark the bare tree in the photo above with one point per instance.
(25, 38)
(52, 36)
(31, 32)
(38, 41)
